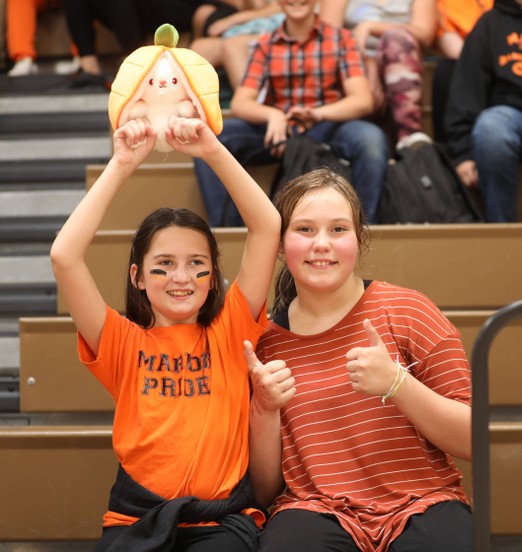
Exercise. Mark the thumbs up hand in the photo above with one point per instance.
(272, 383)
(371, 369)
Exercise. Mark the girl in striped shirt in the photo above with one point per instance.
(361, 395)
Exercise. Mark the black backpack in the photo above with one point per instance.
(304, 154)
(423, 186)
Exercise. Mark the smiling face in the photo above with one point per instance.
(298, 9)
(320, 243)
(171, 275)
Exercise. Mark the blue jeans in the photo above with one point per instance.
(363, 143)
(497, 151)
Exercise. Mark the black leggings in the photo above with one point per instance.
(120, 16)
(179, 13)
(444, 527)
(440, 91)
(188, 539)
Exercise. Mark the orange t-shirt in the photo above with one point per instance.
(460, 16)
(182, 400)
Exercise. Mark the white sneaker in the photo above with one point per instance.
(67, 67)
(23, 67)
(413, 140)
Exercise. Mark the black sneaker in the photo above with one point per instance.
(81, 81)
(89, 81)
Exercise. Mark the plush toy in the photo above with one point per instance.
(161, 80)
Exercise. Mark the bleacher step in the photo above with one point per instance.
(39, 203)
(46, 173)
(66, 103)
(26, 270)
(53, 123)
(27, 285)
(9, 354)
(55, 148)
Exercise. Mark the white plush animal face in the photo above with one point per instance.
(164, 83)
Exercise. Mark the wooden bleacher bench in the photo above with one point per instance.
(446, 262)
(55, 481)
(505, 383)
(155, 185)
(56, 381)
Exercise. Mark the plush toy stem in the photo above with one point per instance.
(166, 35)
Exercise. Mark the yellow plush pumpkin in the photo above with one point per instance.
(163, 80)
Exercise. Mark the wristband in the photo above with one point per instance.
(400, 376)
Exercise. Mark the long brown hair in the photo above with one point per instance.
(286, 201)
(138, 307)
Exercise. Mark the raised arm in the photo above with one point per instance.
(193, 137)
(84, 301)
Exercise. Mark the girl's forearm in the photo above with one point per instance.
(444, 422)
(265, 455)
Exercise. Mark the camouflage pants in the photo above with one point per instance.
(399, 61)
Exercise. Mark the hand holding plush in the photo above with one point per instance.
(161, 81)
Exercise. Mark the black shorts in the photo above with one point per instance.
(222, 10)
(443, 527)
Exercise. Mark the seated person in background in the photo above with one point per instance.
(456, 19)
(483, 119)
(314, 83)
(188, 16)
(231, 39)
(391, 35)
(363, 397)
(118, 16)
(21, 28)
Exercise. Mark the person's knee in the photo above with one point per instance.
(374, 143)
(232, 45)
(494, 124)
(199, 45)
(493, 136)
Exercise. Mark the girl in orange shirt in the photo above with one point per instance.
(174, 365)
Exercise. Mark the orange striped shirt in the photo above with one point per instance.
(347, 454)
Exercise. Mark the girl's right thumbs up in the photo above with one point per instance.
(272, 383)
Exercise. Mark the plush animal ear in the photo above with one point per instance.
(198, 77)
